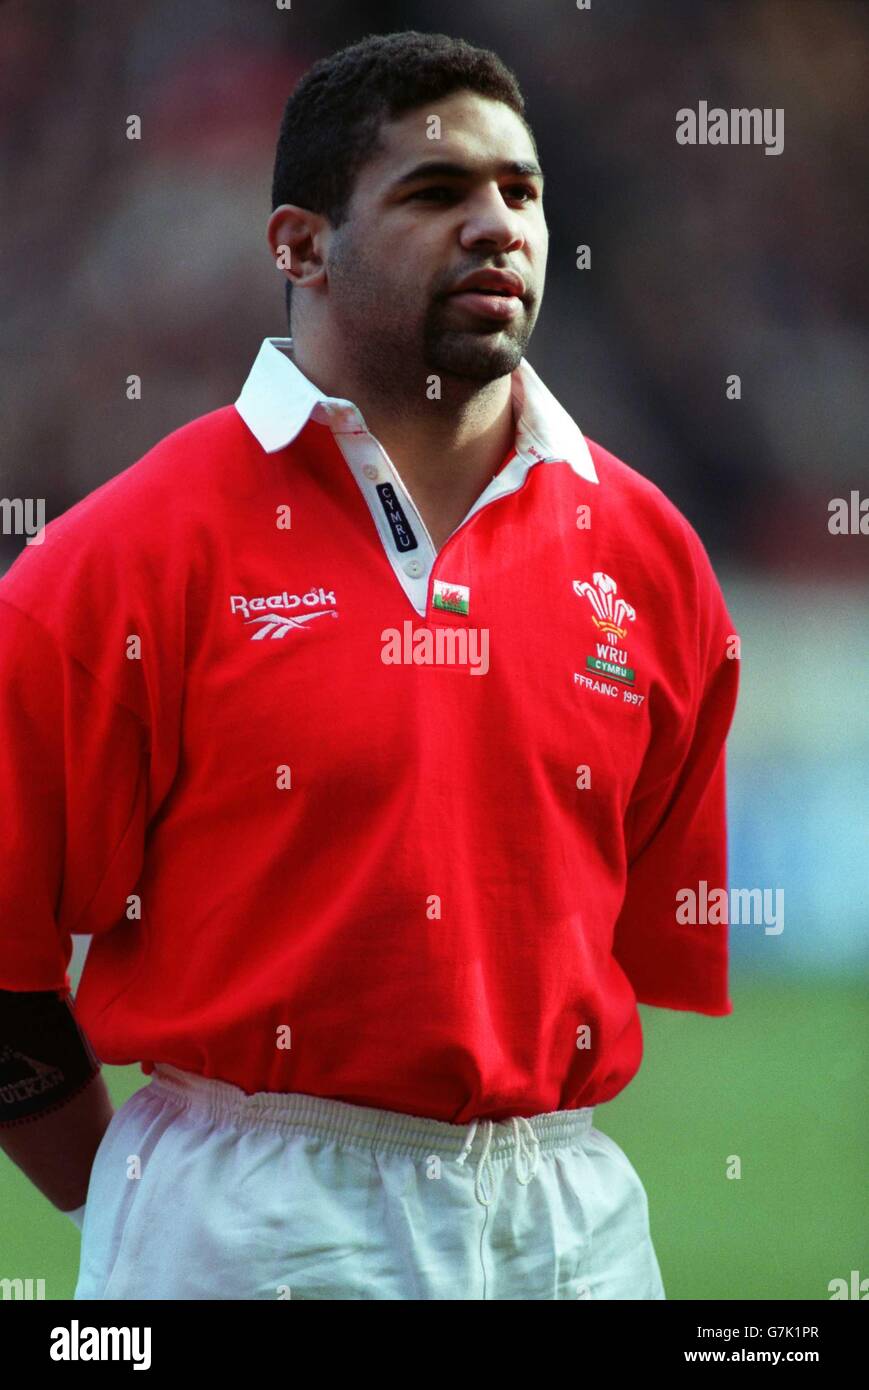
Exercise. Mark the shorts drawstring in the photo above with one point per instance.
(520, 1140)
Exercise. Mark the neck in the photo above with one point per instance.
(446, 450)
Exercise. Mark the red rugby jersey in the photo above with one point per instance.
(349, 817)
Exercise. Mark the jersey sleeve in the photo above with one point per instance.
(73, 788)
(676, 833)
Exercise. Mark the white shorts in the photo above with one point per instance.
(275, 1196)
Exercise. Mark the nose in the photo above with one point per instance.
(491, 221)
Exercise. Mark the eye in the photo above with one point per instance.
(443, 192)
(432, 191)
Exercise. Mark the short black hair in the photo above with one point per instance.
(331, 123)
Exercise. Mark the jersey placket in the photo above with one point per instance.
(410, 550)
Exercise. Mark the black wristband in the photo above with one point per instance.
(45, 1059)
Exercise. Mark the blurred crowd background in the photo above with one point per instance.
(149, 257)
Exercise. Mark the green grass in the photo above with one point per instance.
(781, 1084)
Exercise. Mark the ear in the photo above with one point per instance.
(296, 236)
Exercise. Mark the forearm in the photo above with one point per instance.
(54, 1106)
(56, 1150)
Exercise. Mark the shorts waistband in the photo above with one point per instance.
(367, 1126)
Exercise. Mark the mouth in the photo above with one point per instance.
(492, 304)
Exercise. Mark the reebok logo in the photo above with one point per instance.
(316, 603)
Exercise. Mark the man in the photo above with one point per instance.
(370, 727)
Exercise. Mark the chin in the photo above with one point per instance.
(476, 357)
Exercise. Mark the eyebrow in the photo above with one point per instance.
(520, 168)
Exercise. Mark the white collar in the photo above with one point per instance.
(277, 400)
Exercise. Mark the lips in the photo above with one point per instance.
(487, 304)
(495, 282)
